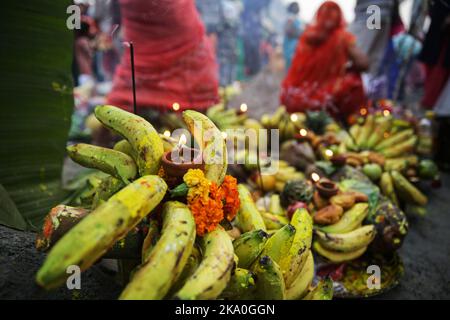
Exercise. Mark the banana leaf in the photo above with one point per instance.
(36, 105)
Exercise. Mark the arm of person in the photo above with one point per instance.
(360, 61)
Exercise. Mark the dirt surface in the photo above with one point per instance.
(426, 255)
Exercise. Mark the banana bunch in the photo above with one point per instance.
(288, 124)
(346, 239)
(392, 138)
(276, 267)
(226, 118)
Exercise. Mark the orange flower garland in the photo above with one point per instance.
(209, 203)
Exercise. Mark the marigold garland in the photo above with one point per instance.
(209, 203)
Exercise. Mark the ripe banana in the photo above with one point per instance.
(269, 280)
(407, 191)
(241, 286)
(279, 243)
(115, 163)
(211, 142)
(293, 262)
(336, 256)
(191, 265)
(213, 273)
(167, 259)
(347, 242)
(273, 221)
(144, 139)
(394, 139)
(248, 216)
(323, 291)
(85, 243)
(249, 246)
(350, 220)
(300, 286)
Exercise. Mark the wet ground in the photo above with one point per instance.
(426, 255)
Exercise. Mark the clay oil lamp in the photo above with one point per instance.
(185, 158)
(327, 188)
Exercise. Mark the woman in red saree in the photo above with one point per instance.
(174, 59)
(325, 69)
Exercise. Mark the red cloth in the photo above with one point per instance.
(174, 60)
(318, 77)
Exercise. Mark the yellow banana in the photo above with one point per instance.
(336, 256)
(248, 216)
(211, 142)
(347, 242)
(115, 163)
(299, 288)
(350, 220)
(213, 273)
(85, 243)
(140, 134)
(167, 259)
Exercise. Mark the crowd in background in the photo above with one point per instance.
(186, 49)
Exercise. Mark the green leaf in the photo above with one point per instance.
(9, 214)
(37, 103)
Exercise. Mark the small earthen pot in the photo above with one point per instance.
(178, 169)
(327, 188)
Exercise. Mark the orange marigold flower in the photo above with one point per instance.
(230, 197)
(208, 213)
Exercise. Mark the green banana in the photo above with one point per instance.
(107, 188)
(151, 239)
(279, 243)
(301, 284)
(125, 147)
(407, 191)
(292, 263)
(115, 163)
(347, 242)
(167, 259)
(378, 133)
(336, 256)
(241, 286)
(85, 243)
(249, 246)
(214, 271)
(211, 142)
(273, 221)
(323, 291)
(144, 139)
(248, 216)
(350, 220)
(269, 280)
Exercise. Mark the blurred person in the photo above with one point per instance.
(436, 52)
(221, 18)
(174, 59)
(252, 34)
(373, 42)
(84, 48)
(325, 69)
(292, 31)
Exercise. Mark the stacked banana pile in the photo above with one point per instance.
(175, 261)
(288, 124)
(276, 266)
(225, 118)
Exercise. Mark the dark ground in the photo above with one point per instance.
(426, 256)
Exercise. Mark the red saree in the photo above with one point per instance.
(174, 61)
(318, 78)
